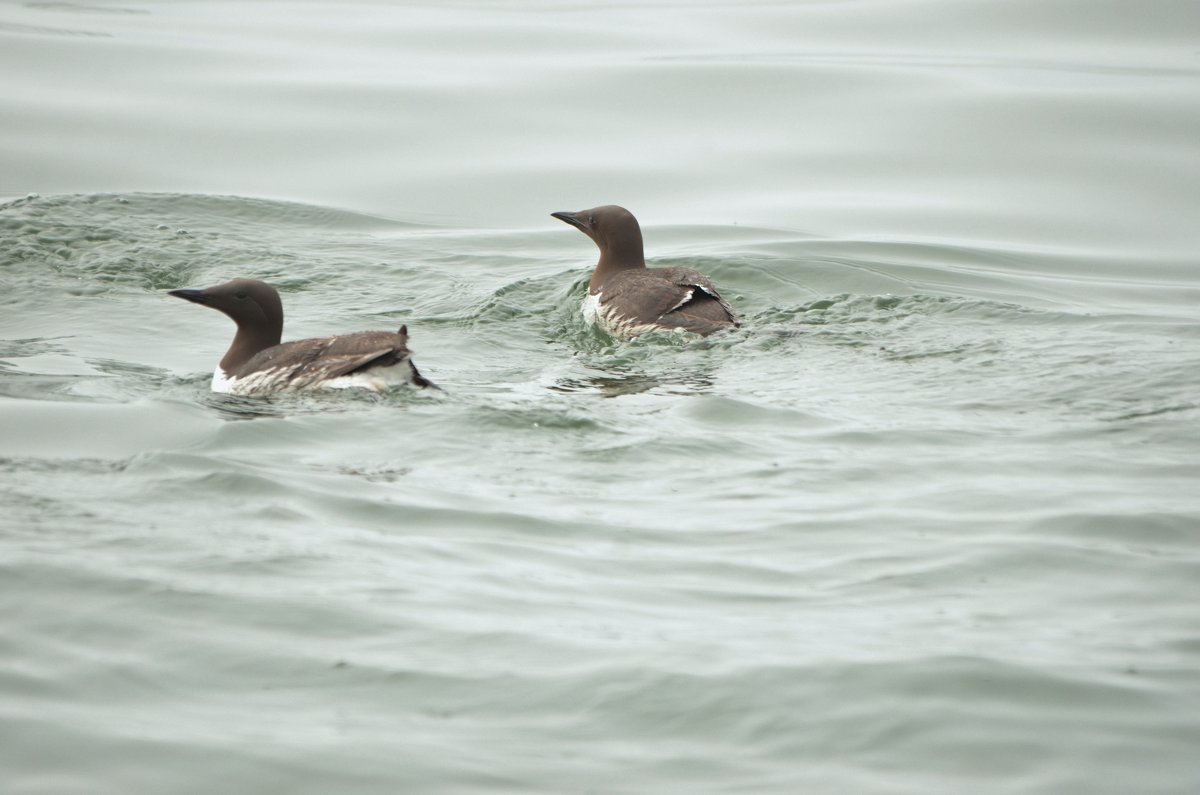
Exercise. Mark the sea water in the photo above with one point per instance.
(929, 522)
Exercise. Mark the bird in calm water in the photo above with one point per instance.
(627, 299)
(257, 364)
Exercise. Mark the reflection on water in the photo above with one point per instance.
(632, 383)
(237, 407)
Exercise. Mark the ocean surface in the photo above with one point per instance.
(928, 523)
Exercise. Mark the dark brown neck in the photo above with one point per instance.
(618, 255)
(248, 342)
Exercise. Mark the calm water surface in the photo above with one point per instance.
(928, 523)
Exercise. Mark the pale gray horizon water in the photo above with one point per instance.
(927, 523)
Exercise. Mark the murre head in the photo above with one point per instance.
(253, 305)
(615, 232)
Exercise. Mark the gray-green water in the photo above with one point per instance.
(929, 523)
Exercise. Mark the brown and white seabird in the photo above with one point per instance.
(257, 364)
(627, 299)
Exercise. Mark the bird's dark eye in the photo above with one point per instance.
(240, 296)
(591, 220)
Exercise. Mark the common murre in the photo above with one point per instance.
(257, 364)
(627, 299)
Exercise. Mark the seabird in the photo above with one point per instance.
(627, 299)
(257, 364)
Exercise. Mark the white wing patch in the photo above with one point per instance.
(691, 291)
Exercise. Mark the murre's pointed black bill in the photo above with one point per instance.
(569, 217)
(195, 296)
